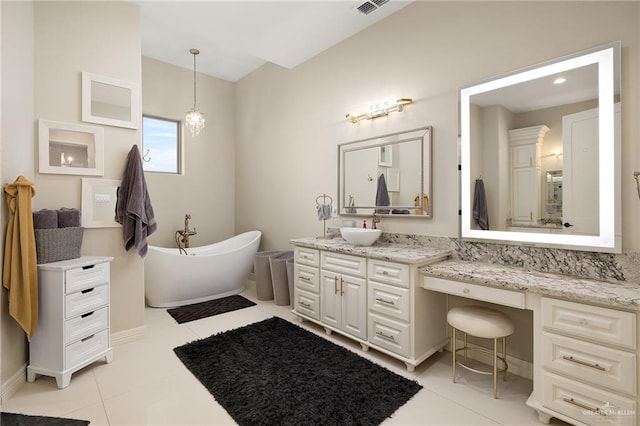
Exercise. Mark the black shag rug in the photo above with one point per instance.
(13, 419)
(276, 373)
(210, 308)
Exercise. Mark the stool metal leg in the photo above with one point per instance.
(465, 348)
(504, 355)
(495, 368)
(453, 350)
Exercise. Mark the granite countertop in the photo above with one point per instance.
(615, 294)
(383, 251)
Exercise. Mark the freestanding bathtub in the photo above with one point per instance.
(205, 273)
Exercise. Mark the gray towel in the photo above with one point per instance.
(133, 206)
(382, 195)
(480, 213)
(68, 218)
(45, 219)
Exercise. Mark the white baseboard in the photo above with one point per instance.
(516, 366)
(127, 336)
(11, 386)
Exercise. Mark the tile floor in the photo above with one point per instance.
(146, 384)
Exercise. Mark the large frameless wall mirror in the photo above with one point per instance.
(387, 175)
(540, 154)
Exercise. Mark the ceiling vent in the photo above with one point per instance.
(369, 6)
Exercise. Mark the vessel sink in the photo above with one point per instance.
(360, 236)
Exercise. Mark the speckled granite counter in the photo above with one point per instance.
(384, 251)
(623, 295)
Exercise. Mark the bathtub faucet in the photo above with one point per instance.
(182, 235)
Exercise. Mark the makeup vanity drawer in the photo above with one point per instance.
(499, 296)
(586, 403)
(307, 303)
(307, 256)
(590, 322)
(589, 362)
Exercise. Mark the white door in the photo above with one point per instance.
(354, 306)
(330, 300)
(580, 197)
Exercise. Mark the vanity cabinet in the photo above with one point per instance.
(73, 318)
(590, 362)
(525, 173)
(375, 302)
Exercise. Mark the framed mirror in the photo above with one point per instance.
(70, 149)
(540, 154)
(110, 101)
(386, 175)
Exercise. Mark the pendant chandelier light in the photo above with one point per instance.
(194, 119)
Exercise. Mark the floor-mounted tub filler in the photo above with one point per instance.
(205, 273)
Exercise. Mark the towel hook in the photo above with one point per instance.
(144, 157)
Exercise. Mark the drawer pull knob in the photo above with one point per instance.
(386, 302)
(88, 267)
(304, 278)
(304, 305)
(466, 291)
(585, 363)
(584, 322)
(89, 290)
(583, 406)
(385, 336)
(87, 338)
(385, 272)
(86, 315)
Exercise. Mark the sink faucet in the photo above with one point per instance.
(375, 219)
(182, 235)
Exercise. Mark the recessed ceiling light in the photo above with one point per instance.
(559, 80)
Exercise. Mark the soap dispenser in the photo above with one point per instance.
(364, 224)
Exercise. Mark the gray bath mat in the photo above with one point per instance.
(208, 309)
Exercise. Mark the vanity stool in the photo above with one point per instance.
(487, 323)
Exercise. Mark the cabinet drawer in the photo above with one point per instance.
(86, 277)
(306, 303)
(591, 322)
(85, 349)
(86, 301)
(86, 325)
(590, 362)
(389, 272)
(586, 403)
(389, 334)
(389, 300)
(307, 256)
(307, 278)
(344, 263)
(499, 296)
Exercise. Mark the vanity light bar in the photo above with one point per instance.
(379, 110)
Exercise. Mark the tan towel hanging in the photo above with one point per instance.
(20, 273)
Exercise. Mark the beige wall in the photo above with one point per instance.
(290, 121)
(205, 190)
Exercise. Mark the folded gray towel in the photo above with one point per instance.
(45, 219)
(68, 218)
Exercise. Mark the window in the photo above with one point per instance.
(161, 145)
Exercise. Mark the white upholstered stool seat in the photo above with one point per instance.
(483, 322)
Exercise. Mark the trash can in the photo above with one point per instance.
(279, 278)
(262, 269)
(290, 278)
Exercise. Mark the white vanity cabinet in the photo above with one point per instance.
(73, 318)
(590, 362)
(375, 302)
(343, 293)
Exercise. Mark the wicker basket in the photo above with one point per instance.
(57, 244)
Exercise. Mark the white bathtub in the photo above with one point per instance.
(206, 273)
